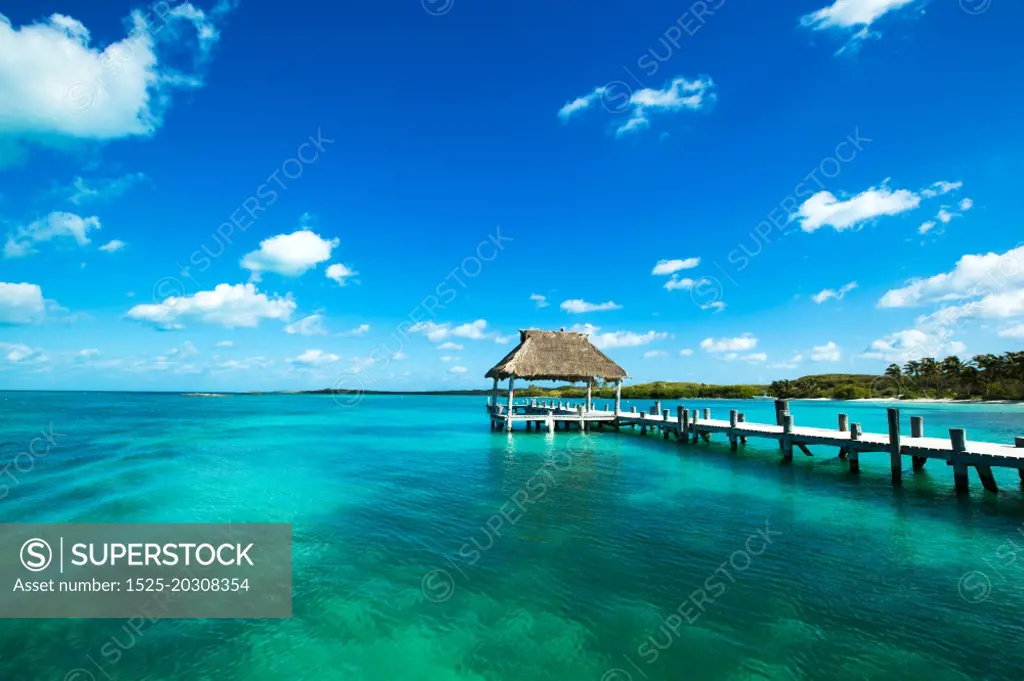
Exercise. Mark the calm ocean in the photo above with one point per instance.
(429, 548)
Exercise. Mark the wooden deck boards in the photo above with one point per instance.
(982, 455)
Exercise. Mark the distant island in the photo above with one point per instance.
(984, 377)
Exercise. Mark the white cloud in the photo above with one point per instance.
(737, 344)
(579, 306)
(716, 305)
(828, 294)
(966, 204)
(16, 353)
(848, 15)
(21, 303)
(973, 276)
(399, 356)
(187, 349)
(675, 283)
(226, 344)
(940, 188)
(830, 352)
(56, 86)
(909, 344)
(457, 370)
(339, 273)
(112, 246)
(449, 358)
(926, 227)
(685, 352)
(825, 210)
(670, 266)
(678, 95)
(944, 216)
(357, 331)
(471, 330)
(307, 326)
(226, 305)
(314, 358)
(289, 255)
(651, 354)
(754, 357)
(449, 346)
(84, 191)
(625, 339)
(542, 301)
(57, 224)
(1013, 332)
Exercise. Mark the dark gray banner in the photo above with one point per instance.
(149, 571)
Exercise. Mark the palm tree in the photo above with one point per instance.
(893, 371)
(970, 376)
(952, 369)
(929, 370)
(992, 368)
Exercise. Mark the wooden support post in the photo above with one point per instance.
(657, 407)
(804, 449)
(742, 418)
(494, 394)
(528, 426)
(680, 423)
(694, 418)
(618, 396)
(511, 396)
(781, 409)
(734, 417)
(1018, 442)
(854, 454)
(643, 425)
(707, 414)
(989, 482)
(844, 426)
(787, 437)
(605, 407)
(664, 424)
(583, 423)
(958, 440)
(590, 393)
(917, 430)
(551, 425)
(684, 433)
(895, 460)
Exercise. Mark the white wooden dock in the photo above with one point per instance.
(690, 427)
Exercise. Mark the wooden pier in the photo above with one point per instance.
(570, 356)
(694, 426)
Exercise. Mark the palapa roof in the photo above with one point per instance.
(557, 356)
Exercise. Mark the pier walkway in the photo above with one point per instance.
(692, 426)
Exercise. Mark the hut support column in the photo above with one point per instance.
(494, 395)
(618, 396)
(511, 396)
(590, 391)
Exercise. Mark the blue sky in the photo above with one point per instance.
(249, 195)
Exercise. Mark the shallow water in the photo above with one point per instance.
(428, 547)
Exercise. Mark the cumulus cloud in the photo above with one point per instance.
(16, 353)
(314, 358)
(113, 246)
(449, 346)
(973, 276)
(541, 301)
(435, 332)
(680, 94)
(792, 363)
(685, 352)
(853, 17)
(625, 339)
(240, 305)
(579, 306)
(670, 266)
(830, 352)
(307, 326)
(1013, 332)
(57, 225)
(93, 190)
(357, 331)
(21, 303)
(457, 370)
(56, 85)
(289, 255)
(909, 344)
(340, 273)
(737, 344)
(825, 210)
(829, 294)
(652, 354)
(676, 283)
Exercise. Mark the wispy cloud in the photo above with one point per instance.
(579, 306)
(829, 294)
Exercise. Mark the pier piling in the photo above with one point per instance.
(895, 460)
(734, 417)
(958, 440)
(844, 426)
(855, 433)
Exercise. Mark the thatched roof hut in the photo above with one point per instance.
(557, 356)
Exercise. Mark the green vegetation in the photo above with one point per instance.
(657, 390)
(990, 377)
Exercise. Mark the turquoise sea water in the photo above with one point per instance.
(429, 548)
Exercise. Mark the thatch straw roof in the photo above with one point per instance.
(556, 356)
